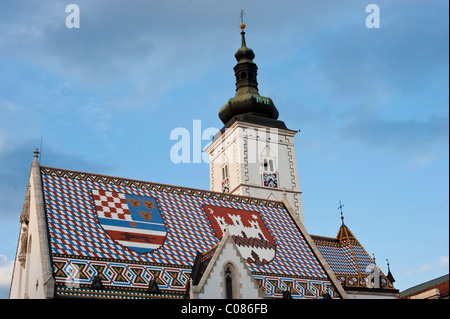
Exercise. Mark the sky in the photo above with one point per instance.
(371, 104)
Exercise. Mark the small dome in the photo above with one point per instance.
(244, 53)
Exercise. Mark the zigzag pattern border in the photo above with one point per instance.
(112, 260)
(118, 275)
(158, 187)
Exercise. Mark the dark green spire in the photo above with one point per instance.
(245, 70)
(248, 105)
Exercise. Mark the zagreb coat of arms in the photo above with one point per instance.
(248, 231)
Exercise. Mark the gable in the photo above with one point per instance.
(128, 233)
(212, 284)
(32, 272)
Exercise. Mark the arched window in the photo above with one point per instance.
(229, 282)
(231, 287)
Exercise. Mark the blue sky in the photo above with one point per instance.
(372, 106)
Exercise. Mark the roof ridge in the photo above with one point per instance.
(320, 237)
(254, 200)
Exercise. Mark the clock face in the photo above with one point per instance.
(225, 186)
(270, 180)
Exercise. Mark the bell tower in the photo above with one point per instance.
(253, 154)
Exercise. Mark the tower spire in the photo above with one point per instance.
(253, 118)
(389, 275)
(248, 105)
(245, 70)
(340, 208)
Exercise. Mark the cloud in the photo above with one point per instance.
(442, 262)
(139, 52)
(149, 48)
(6, 269)
(409, 52)
(16, 160)
(421, 138)
(115, 40)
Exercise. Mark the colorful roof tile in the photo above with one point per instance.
(132, 234)
(349, 260)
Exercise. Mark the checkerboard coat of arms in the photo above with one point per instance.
(131, 220)
(247, 228)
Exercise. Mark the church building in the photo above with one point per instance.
(85, 235)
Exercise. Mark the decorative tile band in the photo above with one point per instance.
(83, 291)
(76, 272)
(299, 288)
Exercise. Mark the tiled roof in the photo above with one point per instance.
(348, 259)
(129, 232)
